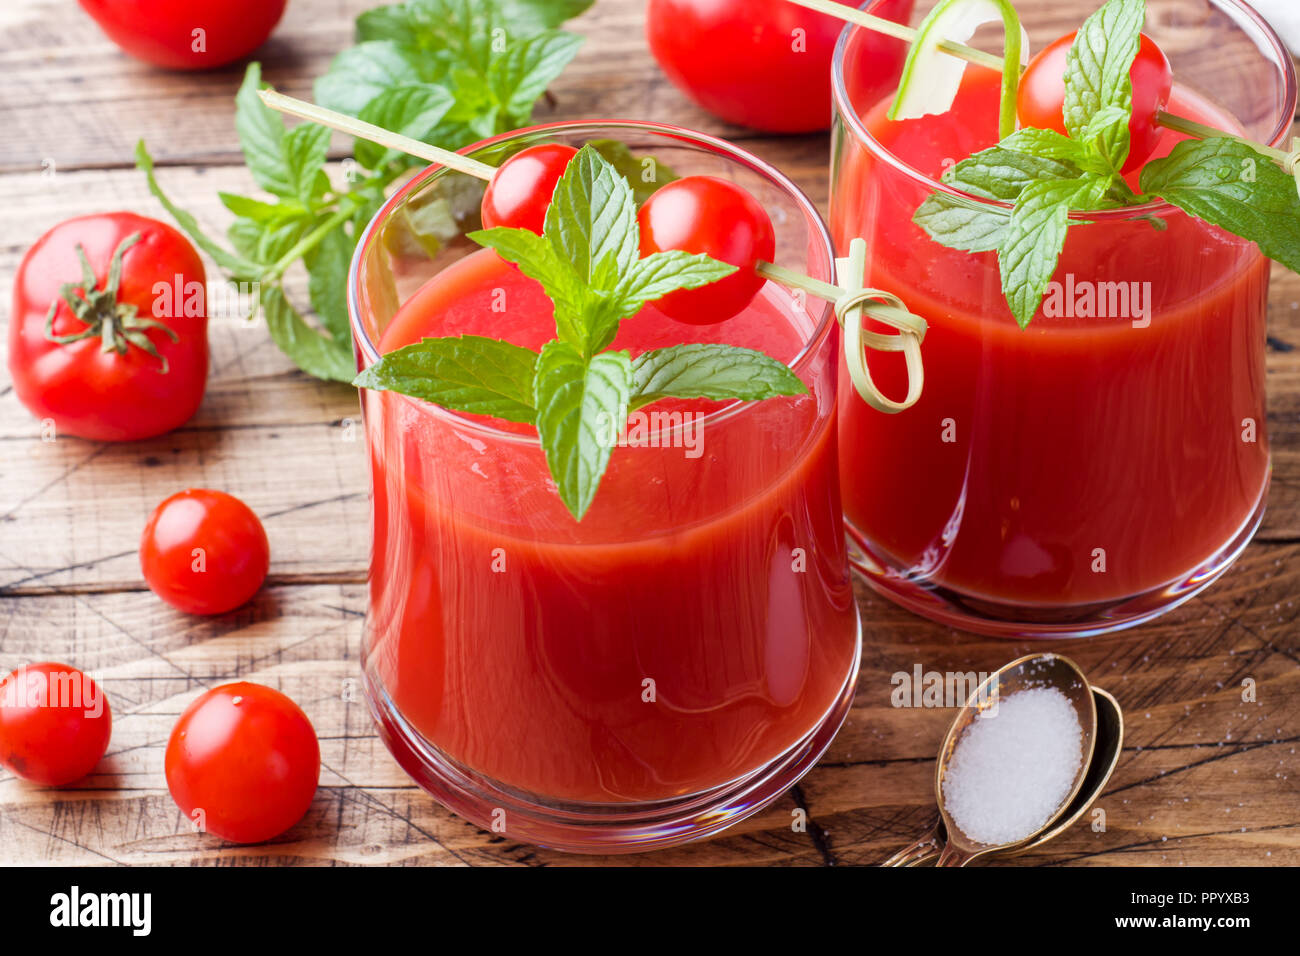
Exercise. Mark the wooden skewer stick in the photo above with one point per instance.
(375, 134)
(899, 31)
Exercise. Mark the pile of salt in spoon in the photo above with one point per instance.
(1013, 768)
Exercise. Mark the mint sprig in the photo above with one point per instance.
(449, 72)
(574, 391)
(1045, 176)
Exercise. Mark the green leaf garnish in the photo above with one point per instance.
(582, 406)
(1033, 240)
(466, 372)
(1098, 90)
(962, 223)
(719, 372)
(576, 394)
(1044, 175)
(1225, 182)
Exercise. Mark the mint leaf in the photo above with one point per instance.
(261, 136)
(469, 373)
(592, 220)
(1097, 77)
(1031, 144)
(719, 372)
(262, 213)
(531, 16)
(962, 224)
(645, 173)
(523, 72)
(306, 147)
(314, 353)
(1225, 182)
(1002, 173)
(1032, 244)
(538, 259)
(327, 282)
(581, 409)
(662, 272)
(360, 73)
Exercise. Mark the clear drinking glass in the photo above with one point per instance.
(1108, 462)
(680, 657)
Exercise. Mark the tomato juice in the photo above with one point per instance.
(1110, 449)
(693, 627)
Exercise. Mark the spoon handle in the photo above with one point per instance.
(951, 856)
(922, 849)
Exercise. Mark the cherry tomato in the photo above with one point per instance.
(147, 376)
(55, 723)
(243, 762)
(204, 551)
(765, 64)
(703, 214)
(1041, 100)
(520, 190)
(194, 35)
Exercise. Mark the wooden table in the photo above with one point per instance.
(1204, 778)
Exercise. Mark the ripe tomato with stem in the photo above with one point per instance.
(100, 344)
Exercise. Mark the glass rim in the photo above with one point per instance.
(1244, 16)
(811, 342)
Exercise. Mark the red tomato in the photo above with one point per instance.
(152, 378)
(765, 64)
(194, 35)
(703, 214)
(520, 190)
(246, 756)
(55, 723)
(204, 552)
(1041, 99)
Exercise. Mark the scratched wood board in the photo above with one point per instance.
(1204, 778)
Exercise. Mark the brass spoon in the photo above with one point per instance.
(1035, 670)
(1110, 741)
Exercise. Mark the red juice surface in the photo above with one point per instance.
(1082, 459)
(519, 642)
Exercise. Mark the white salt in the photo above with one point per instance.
(1010, 773)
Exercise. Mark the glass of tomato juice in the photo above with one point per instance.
(678, 658)
(1110, 460)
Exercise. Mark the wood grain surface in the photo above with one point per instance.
(1204, 778)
